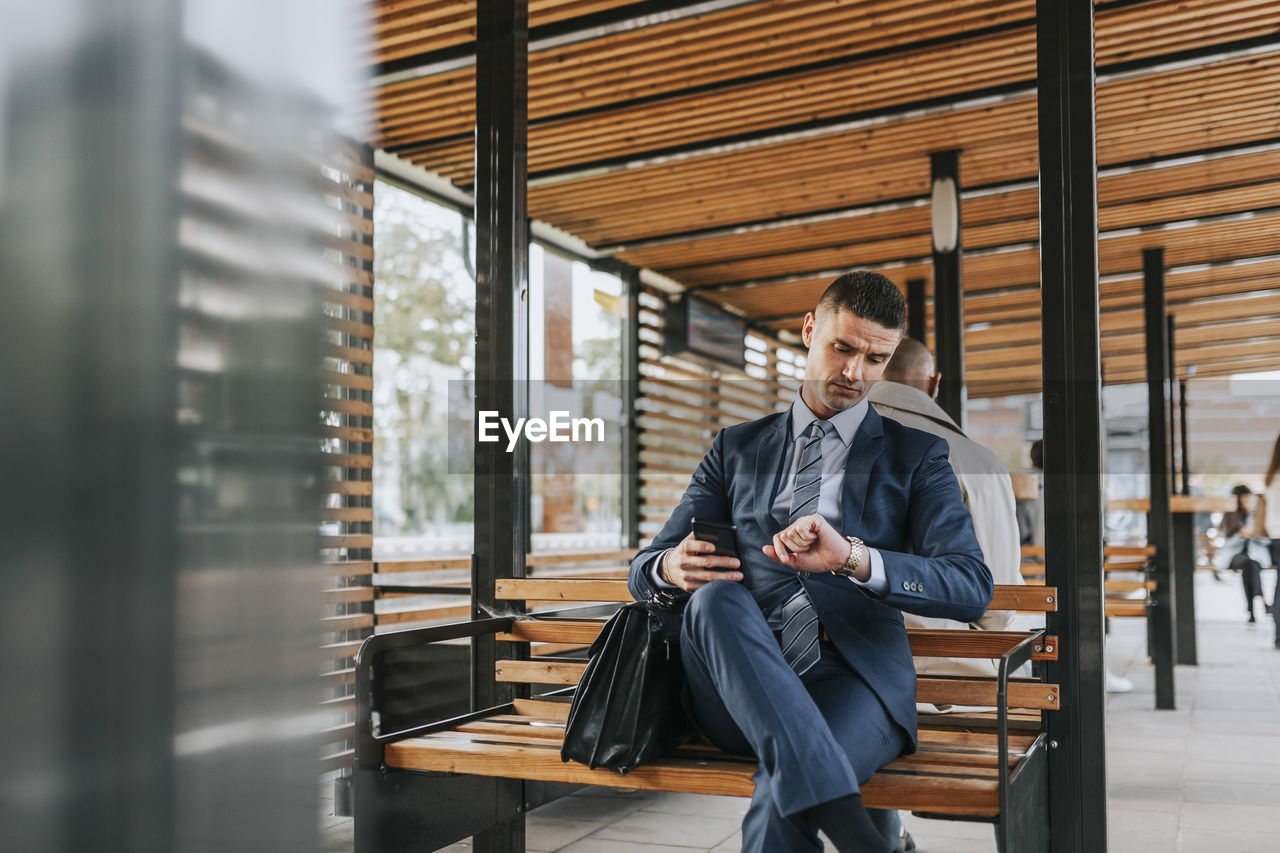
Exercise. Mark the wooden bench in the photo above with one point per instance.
(1127, 584)
(414, 782)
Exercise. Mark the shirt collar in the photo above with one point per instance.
(846, 422)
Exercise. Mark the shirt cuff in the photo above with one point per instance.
(878, 583)
(655, 573)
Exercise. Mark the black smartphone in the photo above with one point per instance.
(725, 536)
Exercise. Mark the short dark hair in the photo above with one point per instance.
(869, 295)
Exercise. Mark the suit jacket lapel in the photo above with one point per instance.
(857, 471)
(771, 444)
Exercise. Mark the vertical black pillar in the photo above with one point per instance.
(948, 284)
(1072, 423)
(1171, 398)
(917, 322)
(1184, 538)
(1182, 434)
(630, 394)
(1162, 613)
(502, 249)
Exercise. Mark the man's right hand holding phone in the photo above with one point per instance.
(692, 564)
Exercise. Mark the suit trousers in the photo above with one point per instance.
(817, 737)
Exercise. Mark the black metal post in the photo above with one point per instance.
(1186, 441)
(948, 284)
(630, 394)
(917, 322)
(1072, 422)
(1183, 523)
(502, 346)
(1171, 397)
(1162, 613)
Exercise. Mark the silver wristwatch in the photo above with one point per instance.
(857, 557)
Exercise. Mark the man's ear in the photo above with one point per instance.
(934, 382)
(806, 332)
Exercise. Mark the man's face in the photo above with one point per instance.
(846, 354)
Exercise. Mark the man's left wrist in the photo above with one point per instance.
(856, 562)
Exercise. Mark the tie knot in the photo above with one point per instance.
(819, 429)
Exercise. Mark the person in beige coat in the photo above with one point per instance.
(905, 394)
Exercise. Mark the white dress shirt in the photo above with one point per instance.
(835, 454)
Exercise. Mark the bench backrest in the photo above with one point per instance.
(557, 646)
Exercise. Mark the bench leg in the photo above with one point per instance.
(411, 812)
(506, 837)
(1025, 825)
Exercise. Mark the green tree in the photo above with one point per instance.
(424, 321)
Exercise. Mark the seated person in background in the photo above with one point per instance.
(1243, 550)
(795, 652)
(906, 394)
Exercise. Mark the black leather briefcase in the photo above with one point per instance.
(627, 709)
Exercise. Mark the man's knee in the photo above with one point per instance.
(711, 605)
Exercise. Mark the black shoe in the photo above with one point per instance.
(1266, 608)
(1252, 618)
(907, 844)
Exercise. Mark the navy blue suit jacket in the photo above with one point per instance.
(900, 496)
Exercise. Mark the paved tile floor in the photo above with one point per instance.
(1204, 778)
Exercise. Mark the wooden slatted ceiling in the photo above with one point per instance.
(1136, 119)
(400, 28)
(1170, 112)
(573, 82)
(1120, 254)
(760, 37)
(769, 36)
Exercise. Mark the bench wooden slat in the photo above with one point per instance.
(900, 785)
(961, 643)
(1121, 609)
(937, 740)
(944, 690)
(1007, 596)
(931, 758)
(940, 729)
(534, 560)
(547, 709)
(1128, 586)
(1111, 551)
(933, 689)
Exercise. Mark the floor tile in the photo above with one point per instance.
(1218, 841)
(1251, 818)
(607, 845)
(674, 829)
(698, 804)
(1231, 792)
(547, 835)
(1141, 830)
(589, 808)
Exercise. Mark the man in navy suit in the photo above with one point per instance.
(796, 652)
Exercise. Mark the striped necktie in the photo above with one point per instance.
(799, 634)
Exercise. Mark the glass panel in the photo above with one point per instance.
(424, 339)
(575, 357)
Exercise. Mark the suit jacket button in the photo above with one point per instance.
(906, 585)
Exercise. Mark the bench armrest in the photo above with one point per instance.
(1010, 661)
(368, 744)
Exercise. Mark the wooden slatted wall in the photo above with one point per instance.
(684, 402)
(347, 184)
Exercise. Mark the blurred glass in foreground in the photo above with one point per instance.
(166, 248)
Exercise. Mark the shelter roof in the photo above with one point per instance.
(752, 149)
